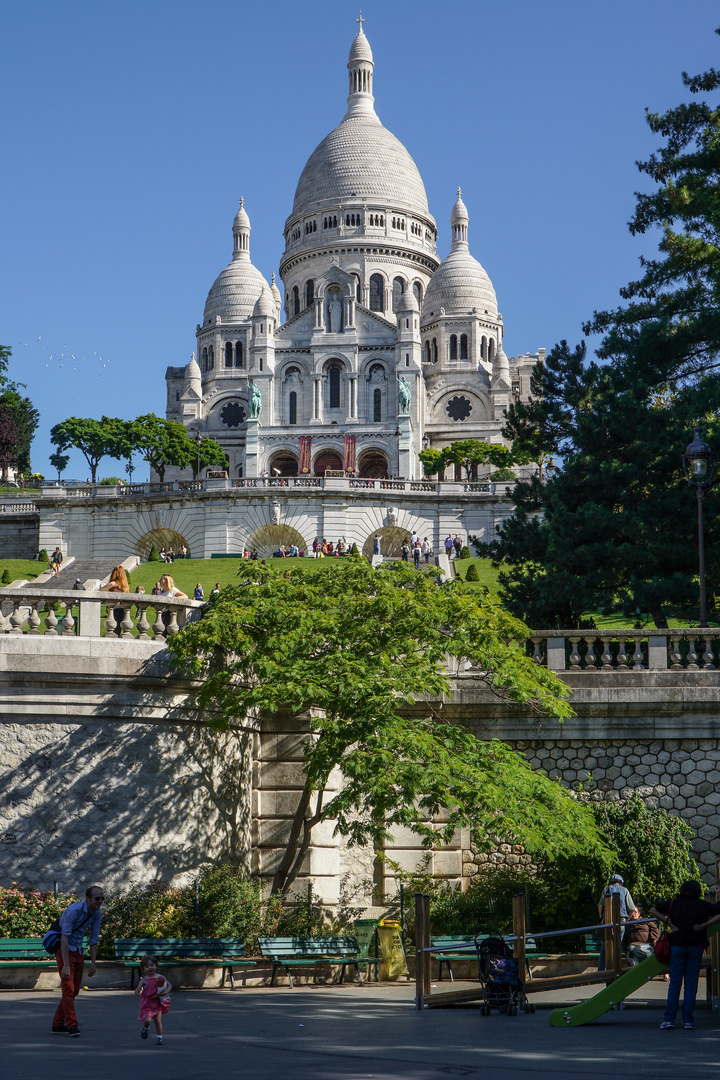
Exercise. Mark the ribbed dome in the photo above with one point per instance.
(234, 292)
(265, 305)
(459, 285)
(360, 48)
(361, 160)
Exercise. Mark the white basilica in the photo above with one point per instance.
(378, 349)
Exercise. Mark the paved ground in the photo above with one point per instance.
(345, 1033)
(83, 569)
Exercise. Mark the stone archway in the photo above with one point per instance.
(269, 538)
(373, 465)
(391, 538)
(327, 459)
(161, 538)
(285, 462)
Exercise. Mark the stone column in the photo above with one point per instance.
(406, 456)
(317, 399)
(252, 447)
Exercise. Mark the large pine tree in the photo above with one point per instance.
(616, 525)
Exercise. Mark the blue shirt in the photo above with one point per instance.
(74, 927)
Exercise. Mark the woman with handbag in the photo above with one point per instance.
(680, 916)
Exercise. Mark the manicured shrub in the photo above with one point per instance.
(465, 553)
(472, 573)
(154, 555)
(6, 576)
(43, 555)
(26, 912)
(354, 550)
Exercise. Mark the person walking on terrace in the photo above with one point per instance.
(686, 917)
(85, 915)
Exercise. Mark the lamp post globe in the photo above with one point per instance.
(699, 465)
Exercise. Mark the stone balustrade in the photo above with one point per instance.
(623, 650)
(254, 485)
(93, 614)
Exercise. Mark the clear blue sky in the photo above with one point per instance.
(129, 131)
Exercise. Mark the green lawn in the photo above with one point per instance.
(488, 576)
(21, 568)
(187, 572)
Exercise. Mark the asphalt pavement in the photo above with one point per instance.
(346, 1033)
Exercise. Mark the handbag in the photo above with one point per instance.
(51, 937)
(662, 945)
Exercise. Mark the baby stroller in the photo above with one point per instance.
(499, 978)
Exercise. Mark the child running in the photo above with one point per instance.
(154, 989)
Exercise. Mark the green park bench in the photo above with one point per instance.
(25, 953)
(227, 953)
(444, 942)
(295, 952)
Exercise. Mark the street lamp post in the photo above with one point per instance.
(699, 465)
(198, 440)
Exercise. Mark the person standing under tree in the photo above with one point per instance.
(74, 921)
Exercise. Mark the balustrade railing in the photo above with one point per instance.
(18, 508)
(54, 613)
(623, 650)
(335, 483)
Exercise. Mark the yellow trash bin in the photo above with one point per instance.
(392, 953)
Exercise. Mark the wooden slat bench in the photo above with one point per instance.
(227, 953)
(443, 942)
(25, 953)
(295, 952)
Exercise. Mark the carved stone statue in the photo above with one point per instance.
(255, 401)
(404, 396)
(334, 314)
(392, 515)
(275, 511)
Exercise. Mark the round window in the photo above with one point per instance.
(232, 414)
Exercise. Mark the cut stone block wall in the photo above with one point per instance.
(19, 536)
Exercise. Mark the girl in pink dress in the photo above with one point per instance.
(154, 990)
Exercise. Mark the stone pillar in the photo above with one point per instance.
(252, 447)
(349, 312)
(406, 455)
(317, 399)
(352, 417)
(319, 314)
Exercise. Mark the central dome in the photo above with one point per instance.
(360, 160)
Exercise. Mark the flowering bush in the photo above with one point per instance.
(26, 912)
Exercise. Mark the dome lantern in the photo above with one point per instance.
(241, 233)
(360, 71)
(459, 220)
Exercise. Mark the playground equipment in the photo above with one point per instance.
(619, 984)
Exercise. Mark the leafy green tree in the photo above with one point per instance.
(616, 526)
(59, 461)
(162, 443)
(8, 440)
(363, 655)
(210, 453)
(431, 461)
(24, 414)
(95, 439)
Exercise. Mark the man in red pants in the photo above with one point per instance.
(74, 922)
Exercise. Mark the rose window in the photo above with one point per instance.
(458, 408)
(232, 414)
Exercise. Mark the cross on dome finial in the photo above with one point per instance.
(242, 200)
(459, 193)
(360, 20)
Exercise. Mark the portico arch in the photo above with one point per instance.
(269, 538)
(161, 538)
(285, 463)
(391, 538)
(373, 465)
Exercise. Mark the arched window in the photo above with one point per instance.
(334, 378)
(309, 292)
(483, 348)
(358, 290)
(239, 358)
(434, 351)
(427, 352)
(296, 300)
(463, 346)
(418, 290)
(347, 219)
(211, 357)
(398, 290)
(205, 359)
(453, 346)
(293, 407)
(228, 354)
(382, 219)
(377, 406)
(491, 350)
(377, 290)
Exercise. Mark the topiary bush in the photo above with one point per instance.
(465, 553)
(6, 576)
(154, 555)
(43, 555)
(26, 912)
(354, 550)
(472, 573)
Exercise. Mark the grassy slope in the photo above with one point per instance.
(19, 569)
(187, 572)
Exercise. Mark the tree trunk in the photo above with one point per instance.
(659, 618)
(293, 843)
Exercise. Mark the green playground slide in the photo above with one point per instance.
(614, 993)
